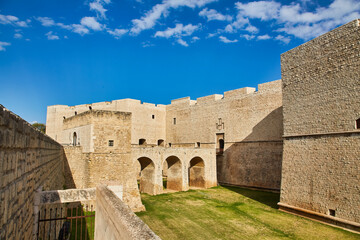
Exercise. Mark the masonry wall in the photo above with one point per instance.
(321, 102)
(148, 120)
(115, 221)
(28, 160)
(105, 164)
(251, 123)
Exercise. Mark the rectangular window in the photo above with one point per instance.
(153, 116)
(174, 121)
(111, 143)
(332, 212)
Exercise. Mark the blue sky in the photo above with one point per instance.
(74, 52)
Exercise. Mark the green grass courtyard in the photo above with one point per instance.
(229, 213)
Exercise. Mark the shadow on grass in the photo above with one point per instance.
(268, 198)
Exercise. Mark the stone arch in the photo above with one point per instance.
(146, 175)
(197, 172)
(174, 173)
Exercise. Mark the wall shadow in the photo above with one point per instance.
(69, 180)
(255, 161)
(268, 198)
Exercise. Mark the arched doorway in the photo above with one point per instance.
(74, 139)
(146, 175)
(174, 173)
(197, 173)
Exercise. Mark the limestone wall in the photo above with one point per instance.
(115, 221)
(106, 164)
(321, 97)
(250, 123)
(158, 156)
(28, 160)
(148, 120)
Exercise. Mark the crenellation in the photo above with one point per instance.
(238, 92)
(209, 99)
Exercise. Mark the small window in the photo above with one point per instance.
(64, 117)
(90, 108)
(169, 144)
(357, 124)
(174, 121)
(142, 141)
(160, 142)
(75, 112)
(153, 116)
(332, 212)
(111, 143)
(198, 144)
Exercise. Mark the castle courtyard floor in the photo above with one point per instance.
(229, 213)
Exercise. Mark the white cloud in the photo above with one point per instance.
(162, 9)
(117, 33)
(46, 21)
(3, 45)
(8, 19)
(226, 40)
(264, 10)
(49, 22)
(52, 36)
(80, 29)
(296, 20)
(98, 7)
(247, 36)
(91, 23)
(178, 31)
(251, 29)
(67, 27)
(283, 39)
(18, 35)
(214, 15)
(263, 37)
(239, 23)
(182, 42)
(194, 39)
(147, 44)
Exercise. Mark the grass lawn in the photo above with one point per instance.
(229, 213)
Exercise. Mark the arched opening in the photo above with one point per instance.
(220, 144)
(173, 173)
(357, 124)
(161, 143)
(74, 139)
(142, 141)
(146, 175)
(90, 108)
(197, 173)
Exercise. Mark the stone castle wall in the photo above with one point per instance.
(249, 121)
(148, 120)
(105, 164)
(28, 160)
(321, 103)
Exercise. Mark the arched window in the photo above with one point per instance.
(75, 112)
(221, 143)
(74, 139)
(90, 108)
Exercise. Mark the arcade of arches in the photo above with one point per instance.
(170, 172)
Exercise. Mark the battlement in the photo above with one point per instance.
(236, 93)
(105, 105)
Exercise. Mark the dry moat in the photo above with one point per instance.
(229, 213)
